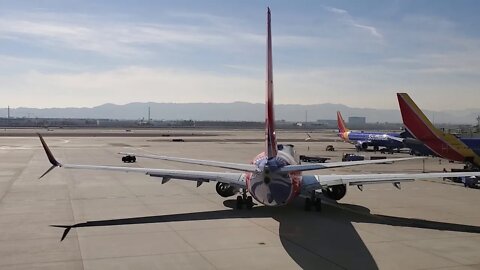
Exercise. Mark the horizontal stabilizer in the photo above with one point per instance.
(319, 166)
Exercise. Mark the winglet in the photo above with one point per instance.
(65, 232)
(50, 156)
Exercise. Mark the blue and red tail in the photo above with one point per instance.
(270, 138)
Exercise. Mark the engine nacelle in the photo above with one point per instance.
(335, 192)
(361, 145)
(226, 190)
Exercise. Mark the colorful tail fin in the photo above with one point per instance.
(270, 138)
(341, 124)
(443, 144)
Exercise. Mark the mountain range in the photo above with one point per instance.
(236, 111)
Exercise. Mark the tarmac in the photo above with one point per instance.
(131, 221)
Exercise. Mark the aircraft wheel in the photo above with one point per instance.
(318, 204)
(249, 202)
(308, 204)
(239, 202)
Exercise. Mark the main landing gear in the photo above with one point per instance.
(244, 200)
(313, 201)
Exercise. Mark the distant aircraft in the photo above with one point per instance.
(443, 144)
(362, 140)
(274, 177)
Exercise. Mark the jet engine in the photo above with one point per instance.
(361, 145)
(225, 190)
(335, 192)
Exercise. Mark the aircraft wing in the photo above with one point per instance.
(329, 165)
(235, 179)
(314, 182)
(219, 164)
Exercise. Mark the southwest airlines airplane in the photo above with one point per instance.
(274, 177)
(443, 144)
(362, 140)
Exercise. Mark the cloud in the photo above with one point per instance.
(350, 20)
(330, 62)
(105, 38)
(373, 31)
(123, 85)
(455, 63)
(336, 10)
(359, 87)
(132, 39)
(429, 45)
(8, 61)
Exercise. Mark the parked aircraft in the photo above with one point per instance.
(362, 139)
(390, 141)
(416, 147)
(274, 177)
(443, 144)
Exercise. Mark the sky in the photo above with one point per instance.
(358, 53)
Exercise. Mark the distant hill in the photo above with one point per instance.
(237, 111)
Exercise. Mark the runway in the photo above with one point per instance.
(132, 221)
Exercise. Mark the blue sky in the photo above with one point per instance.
(358, 53)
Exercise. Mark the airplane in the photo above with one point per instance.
(362, 140)
(391, 141)
(274, 177)
(416, 147)
(445, 145)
